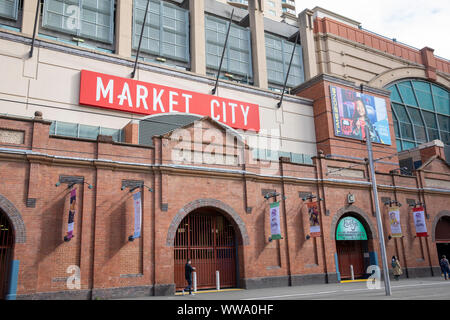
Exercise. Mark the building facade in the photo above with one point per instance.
(110, 182)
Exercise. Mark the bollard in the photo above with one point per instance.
(351, 272)
(217, 280)
(194, 280)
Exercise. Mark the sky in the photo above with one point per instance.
(416, 23)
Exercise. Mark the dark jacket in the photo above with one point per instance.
(444, 265)
(188, 271)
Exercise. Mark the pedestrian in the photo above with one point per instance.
(188, 268)
(445, 266)
(397, 267)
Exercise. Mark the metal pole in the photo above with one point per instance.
(287, 74)
(217, 280)
(387, 283)
(35, 27)
(223, 53)
(351, 272)
(194, 280)
(140, 41)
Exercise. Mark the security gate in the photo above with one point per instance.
(207, 238)
(6, 252)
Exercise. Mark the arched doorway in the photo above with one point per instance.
(207, 237)
(442, 236)
(6, 252)
(352, 247)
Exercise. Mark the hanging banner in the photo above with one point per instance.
(419, 222)
(137, 216)
(275, 228)
(314, 224)
(350, 228)
(73, 200)
(394, 221)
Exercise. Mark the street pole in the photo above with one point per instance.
(387, 283)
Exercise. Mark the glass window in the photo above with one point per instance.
(278, 57)
(92, 19)
(237, 58)
(166, 31)
(423, 119)
(9, 9)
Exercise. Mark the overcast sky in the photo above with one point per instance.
(416, 23)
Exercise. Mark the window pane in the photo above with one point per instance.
(407, 93)
(67, 129)
(441, 100)
(416, 118)
(445, 137)
(433, 134)
(401, 113)
(406, 131)
(396, 129)
(408, 145)
(423, 94)
(8, 9)
(399, 145)
(444, 123)
(395, 97)
(420, 134)
(88, 132)
(430, 119)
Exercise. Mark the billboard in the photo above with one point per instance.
(353, 111)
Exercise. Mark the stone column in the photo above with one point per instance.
(198, 48)
(124, 28)
(256, 17)
(306, 28)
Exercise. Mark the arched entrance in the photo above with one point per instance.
(442, 236)
(207, 237)
(352, 247)
(6, 252)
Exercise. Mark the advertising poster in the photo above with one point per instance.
(350, 228)
(137, 215)
(314, 223)
(394, 221)
(275, 228)
(353, 111)
(73, 200)
(419, 222)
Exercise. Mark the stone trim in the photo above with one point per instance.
(367, 222)
(441, 214)
(230, 212)
(15, 218)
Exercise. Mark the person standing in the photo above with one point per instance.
(397, 267)
(445, 266)
(188, 268)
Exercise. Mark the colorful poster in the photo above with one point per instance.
(275, 228)
(419, 222)
(394, 221)
(353, 111)
(314, 223)
(350, 228)
(137, 215)
(70, 225)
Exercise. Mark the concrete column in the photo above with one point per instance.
(306, 28)
(29, 13)
(256, 17)
(198, 47)
(124, 28)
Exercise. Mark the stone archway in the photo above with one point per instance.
(364, 218)
(444, 213)
(212, 203)
(15, 218)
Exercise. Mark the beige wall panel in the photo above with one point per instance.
(12, 81)
(298, 127)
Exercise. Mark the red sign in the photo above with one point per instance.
(111, 92)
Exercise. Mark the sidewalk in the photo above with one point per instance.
(416, 288)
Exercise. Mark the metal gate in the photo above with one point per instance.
(6, 252)
(207, 238)
(350, 252)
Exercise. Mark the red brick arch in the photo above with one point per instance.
(15, 218)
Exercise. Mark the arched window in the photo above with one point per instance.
(421, 113)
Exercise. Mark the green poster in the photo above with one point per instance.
(275, 228)
(350, 228)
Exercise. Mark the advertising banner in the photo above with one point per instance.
(128, 95)
(275, 228)
(350, 228)
(353, 111)
(394, 221)
(419, 222)
(70, 225)
(314, 223)
(137, 214)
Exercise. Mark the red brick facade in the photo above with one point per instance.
(111, 266)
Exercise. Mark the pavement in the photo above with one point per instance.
(432, 288)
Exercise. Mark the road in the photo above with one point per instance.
(433, 288)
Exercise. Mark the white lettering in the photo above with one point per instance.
(141, 97)
(187, 97)
(172, 102)
(224, 111)
(157, 99)
(125, 95)
(245, 113)
(233, 113)
(214, 103)
(104, 92)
